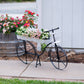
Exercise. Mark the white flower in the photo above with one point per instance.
(4, 30)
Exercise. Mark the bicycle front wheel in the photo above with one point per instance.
(58, 58)
(29, 52)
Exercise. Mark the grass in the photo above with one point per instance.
(17, 81)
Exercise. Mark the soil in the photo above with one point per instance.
(76, 58)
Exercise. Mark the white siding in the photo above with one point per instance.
(83, 24)
(69, 16)
(67, 23)
(77, 23)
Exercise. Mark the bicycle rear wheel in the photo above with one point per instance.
(29, 52)
(58, 59)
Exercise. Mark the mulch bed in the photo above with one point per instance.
(76, 58)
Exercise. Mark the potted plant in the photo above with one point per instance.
(8, 27)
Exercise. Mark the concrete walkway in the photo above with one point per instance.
(16, 69)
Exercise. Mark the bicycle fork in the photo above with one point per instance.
(56, 48)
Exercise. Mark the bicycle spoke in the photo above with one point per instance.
(21, 48)
(30, 53)
(62, 56)
(30, 50)
(62, 62)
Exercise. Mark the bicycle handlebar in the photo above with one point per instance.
(52, 29)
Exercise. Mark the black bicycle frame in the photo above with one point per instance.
(56, 48)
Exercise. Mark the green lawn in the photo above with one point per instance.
(17, 81)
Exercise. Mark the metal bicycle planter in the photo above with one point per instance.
(58, 59)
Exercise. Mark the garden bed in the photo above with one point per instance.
(76, 58)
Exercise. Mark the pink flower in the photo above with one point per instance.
(23, 19)
(18, 22)
(38, 32)
(16, 26)
(11, 26)
(32, 13)
(14, 23)
(17, 17)
(6, 24)
(12, 18)
(37, 14)
(20, 19)
(23, 16)
(26, 10)
(0, 23)
(26, 25)
(29, 12)
(2, 19)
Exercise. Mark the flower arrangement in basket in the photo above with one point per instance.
(30, 28)
(25, 26)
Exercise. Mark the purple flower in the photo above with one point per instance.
(0, 23)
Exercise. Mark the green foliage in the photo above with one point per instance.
(21, 30)
(42, 30)
(43, 45)
(44, 35)
(17, 81)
